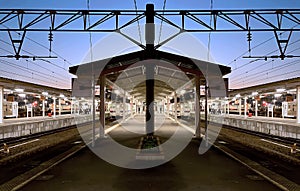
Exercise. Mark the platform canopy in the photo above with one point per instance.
(128, 71)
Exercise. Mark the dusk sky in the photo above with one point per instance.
(71, 48)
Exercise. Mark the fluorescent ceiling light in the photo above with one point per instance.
(22, 95)
(19, 90)
(277, 95)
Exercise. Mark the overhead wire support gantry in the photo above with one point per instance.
(222, 20)
(198, 21)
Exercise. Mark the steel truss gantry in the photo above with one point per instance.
(190, 20)
(274, 20)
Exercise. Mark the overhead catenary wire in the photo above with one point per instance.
(43, 46)
(270, 71)
(256, 46)
(268, 77)
(161, 22)
(139, 28)
(258, 73)
(209, 34)
(30, 70)
(266, 55)
(26, 76)
(34, 63)
(34, 55)
(54, 75)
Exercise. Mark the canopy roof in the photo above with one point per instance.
(128, 71)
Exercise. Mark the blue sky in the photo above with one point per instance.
(73, 47)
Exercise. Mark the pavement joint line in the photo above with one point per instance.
(185, 126)
(111, 128)
(117, 125)
(276, 179)
(22, 144)
(277, 144)
(23, 179)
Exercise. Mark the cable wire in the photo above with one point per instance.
(30, 39)
(139, 28)
(160, 29)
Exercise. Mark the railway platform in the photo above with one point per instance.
(187, 171)
(279, 127)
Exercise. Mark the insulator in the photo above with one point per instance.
(50, 37)
(249, 36)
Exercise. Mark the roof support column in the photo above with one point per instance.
(124, 106)
(1, 104)
(245, 108)
(93, 112)
(150, 36)
(256, 107)
(43, 107)
(168, 106)
(197, 107)
(131, 106)
(228, 108)
(175, 106)
(59, 106)
(54, 106)
(206, 113)
(102, 106)
(240, 106)
(298, 104)
(72, 106)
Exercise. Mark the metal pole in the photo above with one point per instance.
(168, 106)
(54, 107)
(1, 104)
(240, 106)
(131, 106)
(245, 108)
(197, 107)
(206, 113)
(93, 112)
(59, 106)
(72, 106)
(298, 104)
(124, 106)
(256, 108)
(102, 106)
(175, 106)
(228, 108)
(43, 107)
(150, 36)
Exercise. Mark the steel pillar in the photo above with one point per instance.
(124, 106)
(72, 106)
(206, 113)
(1, 104)
(245, 108)
(93, 112)
(102, 106)
(150, 36)
(43, 107)
(240, 106)
(298, 104)
(59, 106)
(54, 106)
(256, 108)
(197, 107)
(175, 106)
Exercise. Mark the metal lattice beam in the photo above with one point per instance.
(110, 20)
